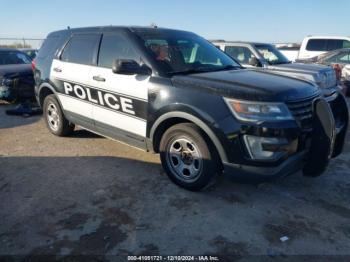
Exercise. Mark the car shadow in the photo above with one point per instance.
(82, 133)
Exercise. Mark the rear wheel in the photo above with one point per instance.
(54, 118)
(188, 157)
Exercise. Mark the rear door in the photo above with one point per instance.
(123, 112)
(71, 71)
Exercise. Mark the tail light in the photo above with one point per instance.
(33, 64)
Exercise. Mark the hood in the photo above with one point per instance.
(300, 68)
(309, 72)
(248, 84)
(15, 70)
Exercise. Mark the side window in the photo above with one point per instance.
(346, 44)
(115, 47)
(81, 49)
(344, 58)
(241, 54)
(316, 45)
(340, 58)
(333, 44)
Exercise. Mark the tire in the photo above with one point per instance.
(188, 157)
(55, 120)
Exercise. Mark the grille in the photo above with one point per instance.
(302, 111)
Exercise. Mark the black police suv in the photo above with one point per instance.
(174, 93)
(16, 76)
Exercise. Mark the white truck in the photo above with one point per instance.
(314, 46)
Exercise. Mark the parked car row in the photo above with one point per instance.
(174, 93)
(267, 57)
(340, 60)
(313, 46)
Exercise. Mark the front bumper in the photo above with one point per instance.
(253, 169)
(246, 172)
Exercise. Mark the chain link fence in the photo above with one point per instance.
(21, 42)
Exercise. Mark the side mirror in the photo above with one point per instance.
(253, 61)
(129, 67)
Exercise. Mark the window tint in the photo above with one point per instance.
(48, 47)
(326, 44)
(317, 45)
(115, 47)
(333, 44)
(241, 54)
(80, 49)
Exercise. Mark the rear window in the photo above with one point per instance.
(317, 45)
(81, 49)
(13, 58)
(326, 44)
(48, 47)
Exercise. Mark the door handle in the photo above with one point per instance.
(98, 78)
(58, 70)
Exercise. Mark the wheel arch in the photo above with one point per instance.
(45, 90)
(171, 118)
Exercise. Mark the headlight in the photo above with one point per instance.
(258, 111)
(326, 79)
(321, 79)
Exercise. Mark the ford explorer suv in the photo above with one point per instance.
(174, 93)
(267, 56)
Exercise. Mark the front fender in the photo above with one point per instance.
(196, 120)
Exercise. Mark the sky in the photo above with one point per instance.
(249, 20)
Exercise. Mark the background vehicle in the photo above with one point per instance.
(174, 93)
(316, 45)
(16, 76)
(340, 59)
(267, 56)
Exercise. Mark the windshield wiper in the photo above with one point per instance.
(189, 71)
(227, 67)
(203, 70)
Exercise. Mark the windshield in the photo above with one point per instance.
(272, 55)
(178, 52)
(13, 57)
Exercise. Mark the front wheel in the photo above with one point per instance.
(188, 157)
(56, 122)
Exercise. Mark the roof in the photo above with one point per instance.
(327, 37)
(113, 27)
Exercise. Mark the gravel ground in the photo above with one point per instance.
(87, 195)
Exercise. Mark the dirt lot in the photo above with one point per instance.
(88, 195)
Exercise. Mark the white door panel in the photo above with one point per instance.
(65, 72)
(129, 85)
(132, 88)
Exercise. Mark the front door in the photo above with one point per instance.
(122, 110)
